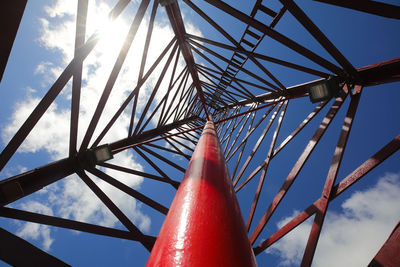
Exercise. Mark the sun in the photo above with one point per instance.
(111, 33)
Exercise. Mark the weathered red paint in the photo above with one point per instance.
(389, 254)
(204, 226)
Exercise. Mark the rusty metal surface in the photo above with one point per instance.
(330, 180)
(389, 254)
(389, 149)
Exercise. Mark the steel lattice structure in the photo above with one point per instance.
(248, 108)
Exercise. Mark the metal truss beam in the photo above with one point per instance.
(372, 7)
(66, 223)
(29, 182)
(389, 254)
(205, 211)
(11, 15)
(389, 149)
(175, 18)
(18, 252)
(375, 74)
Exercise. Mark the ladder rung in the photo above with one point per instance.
(267, 11)
(248, 43)
(225, 84)
(237, 61)
(240, 56)
(252, 34)
(232, 68)
(230, 74)
(225, 78)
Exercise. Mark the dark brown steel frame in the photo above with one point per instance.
(197, 99)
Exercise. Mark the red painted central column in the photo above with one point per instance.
(204, 226)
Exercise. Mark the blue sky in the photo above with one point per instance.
(359, 220)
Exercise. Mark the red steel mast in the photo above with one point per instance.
(204, 226)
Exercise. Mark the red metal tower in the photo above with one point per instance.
(226, 93)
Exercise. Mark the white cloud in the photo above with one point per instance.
(50, 132)
(33, 230)
(125, 159)
(76, 201)
(9, 171)
(182, 141)
(350, 238)
(60, 9)
(54, 125)
(58, 37)
(48, 71)
(290, 248)
(71, 198)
